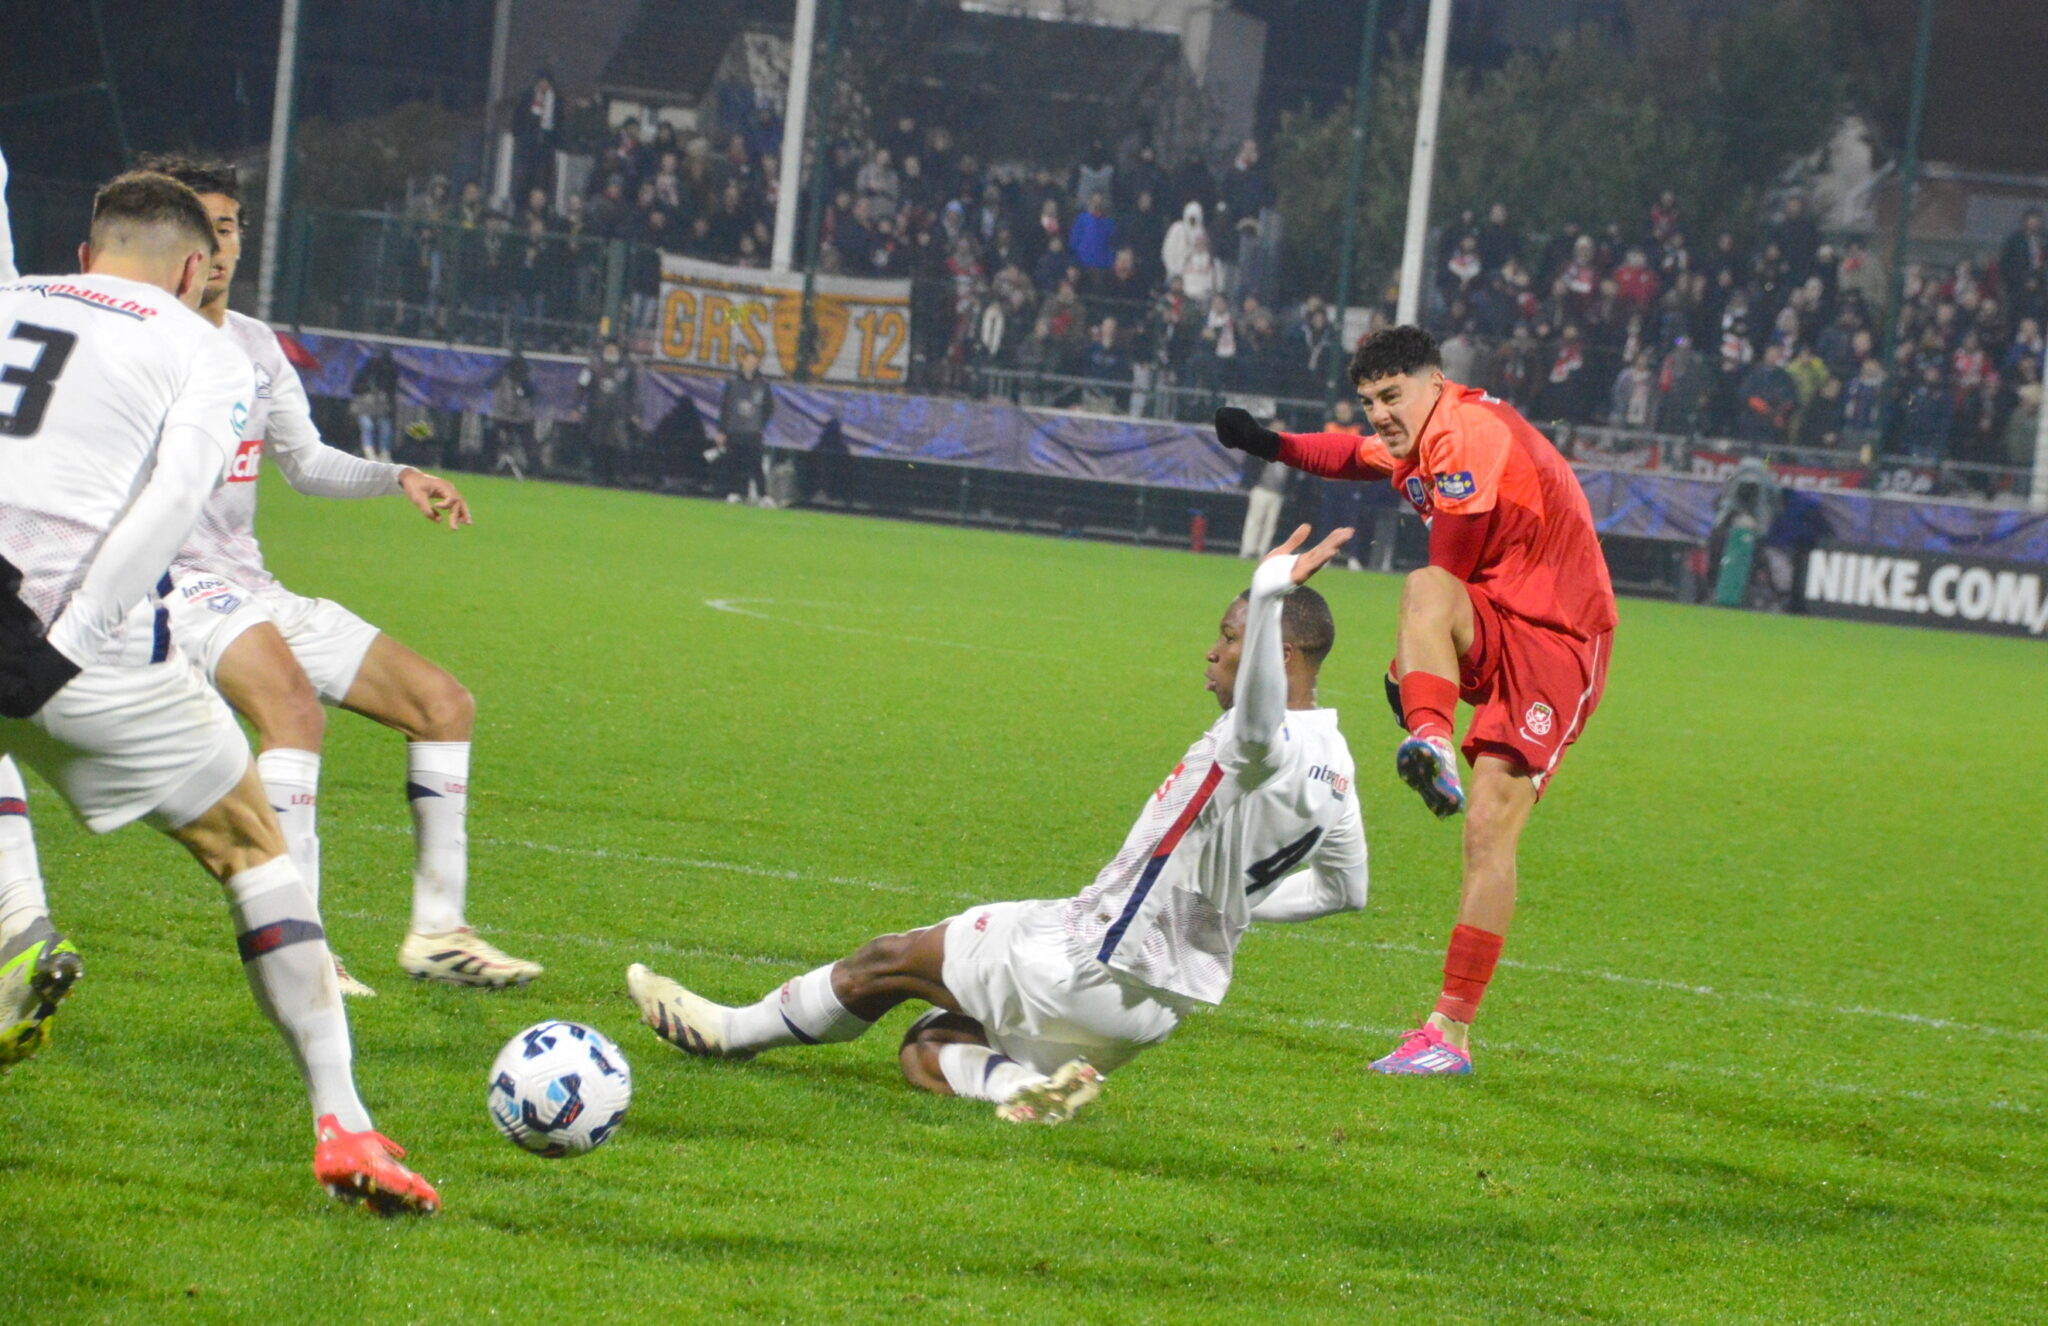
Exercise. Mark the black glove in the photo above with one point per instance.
(1237, 430)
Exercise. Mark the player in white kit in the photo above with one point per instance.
(277, 656)
(120, 412)
(1034, 1002)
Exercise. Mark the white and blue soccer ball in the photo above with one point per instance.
(560, 1089)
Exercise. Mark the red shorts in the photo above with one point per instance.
(1531, 688)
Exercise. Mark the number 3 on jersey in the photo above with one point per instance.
(36, 381)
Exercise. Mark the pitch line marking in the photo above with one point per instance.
(1294, 933)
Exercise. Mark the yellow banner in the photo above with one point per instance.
(710, 312)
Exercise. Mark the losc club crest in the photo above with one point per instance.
(1539, 719)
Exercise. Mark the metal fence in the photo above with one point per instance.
(492, 283)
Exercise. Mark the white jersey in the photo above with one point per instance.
(120, 409)
(1265, 791)
(281, 423)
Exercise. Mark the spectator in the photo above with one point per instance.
(1123, 289)
(1498, 241)
(1665, 221)
(1262, 509)
(879, 185)
(1636, 283)
(374, 402)
(1247, 188)
(1052, 265)
(1315, 343)
(1214, 362)
(1094, 237)
(1200, 274)
(2025, 251)
(536, 133)
(1144, 230)
(1926, 414)
(1562, 395)
(1095, 175)
(1142, 177)
(738, 440)
(1105, 361)
(512, 415)
(2023, 415)
(1180, 239)
(1341, 502)
(610, 385)
(1769, 399)
(1461, 270)
(1633, 402)
(1461, 356)
(1863, 407)
(1797, 238)
(1684, 383)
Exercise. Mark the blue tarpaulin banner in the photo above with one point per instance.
(998, 436)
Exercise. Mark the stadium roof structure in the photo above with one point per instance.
(673, 50)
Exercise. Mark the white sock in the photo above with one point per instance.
(291, 779)
(801, 1012)
(21, 875)
(979, 1073)
(291, 973)
(437, 784)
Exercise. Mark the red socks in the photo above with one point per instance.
(1427, 704)
(1467, 969)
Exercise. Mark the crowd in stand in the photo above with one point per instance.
(1141, 279)
(1644, 328)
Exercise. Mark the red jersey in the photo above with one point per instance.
(1538, 556)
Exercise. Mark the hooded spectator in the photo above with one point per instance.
(1180, 239)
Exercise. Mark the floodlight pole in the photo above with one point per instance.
(274, 188)
(814, 219)
(1423, 173)
(795, 112)
(1909, 189)
(1361, 110)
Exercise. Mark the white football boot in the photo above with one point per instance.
(1073, 1085)
(692, 1024)
(462, 957)
(351, 987)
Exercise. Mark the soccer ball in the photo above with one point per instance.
(559, 1089)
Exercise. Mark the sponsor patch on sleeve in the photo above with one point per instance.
(1455, 486)
(1417, 495)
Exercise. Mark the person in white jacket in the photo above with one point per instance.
(1180, 239)
(1035, 1002)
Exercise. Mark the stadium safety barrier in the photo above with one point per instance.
(1656, 506)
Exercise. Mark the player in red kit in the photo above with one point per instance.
(1514, 614)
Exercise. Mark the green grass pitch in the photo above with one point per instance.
(1769, 1046)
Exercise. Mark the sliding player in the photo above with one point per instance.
(1514, 614)
(1034, 1002)
(121, 413)
(277, 656)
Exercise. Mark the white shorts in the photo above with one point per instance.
(209, 613)
(122, 743)
(1009, 966)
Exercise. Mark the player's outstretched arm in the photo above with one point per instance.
(1332, 455)
(312, 467)
(1261, 697)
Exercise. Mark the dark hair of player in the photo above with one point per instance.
(1394, 351)
(144, 201)
(1306, 623)
(198, 176)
